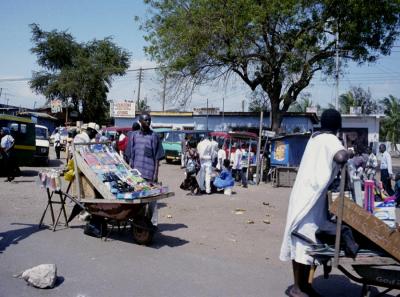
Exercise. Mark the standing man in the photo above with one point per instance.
(144, 153)
(205, 151)
(7, 152)
(308, 204)
(386, 170)
(57, 143)
(371, 165)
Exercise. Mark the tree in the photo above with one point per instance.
(80, 72)
(357, 97)
(277, 45)
(302, 104)
(259, 101)
(142, 106)
(390, 126)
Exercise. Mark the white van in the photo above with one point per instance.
(42, 145)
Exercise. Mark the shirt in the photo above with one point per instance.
(7, 142)
(82, 138)
(221, 157)
(204, 148)
(386, 162)
(143, 151)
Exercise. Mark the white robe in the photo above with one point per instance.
(307, 204)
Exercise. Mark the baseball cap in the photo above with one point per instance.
(94, 126)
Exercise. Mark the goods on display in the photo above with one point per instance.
(121, 180)
(51, 179)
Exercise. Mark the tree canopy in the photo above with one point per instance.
(358, 97)
(80, 72)
(390, 126)
(275, 45)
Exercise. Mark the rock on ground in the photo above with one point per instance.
(41, 276)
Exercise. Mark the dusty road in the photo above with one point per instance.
(205, 247)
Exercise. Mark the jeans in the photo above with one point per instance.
(204, 176)
(386, 181)
(243, 176)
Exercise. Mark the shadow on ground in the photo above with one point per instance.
(14, 236)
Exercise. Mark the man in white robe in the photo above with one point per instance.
(307, 210)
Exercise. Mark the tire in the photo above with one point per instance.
(142, 231)
(169, 161)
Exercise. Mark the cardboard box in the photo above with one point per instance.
(370, 226)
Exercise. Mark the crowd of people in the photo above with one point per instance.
(210, 167)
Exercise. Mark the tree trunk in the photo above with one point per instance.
(276, 117)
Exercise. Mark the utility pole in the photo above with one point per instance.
(223, 112)
(164, 91)
(140, 78)
(242, 105)
(337, 68)
(207, 117)
(258, 157)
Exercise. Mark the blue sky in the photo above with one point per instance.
(87, 20)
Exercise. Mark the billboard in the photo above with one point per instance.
(122, 109)
(56, 106)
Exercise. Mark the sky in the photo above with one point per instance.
(87, 20)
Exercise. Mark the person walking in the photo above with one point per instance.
(371, 165)
(144, 152)
(221, 156)
(204, 149)
(237, 162)
(308, 205)
(245, 165)
(7, 153)
(57, 143)
(386, 169)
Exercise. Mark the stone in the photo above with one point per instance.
(41, 276)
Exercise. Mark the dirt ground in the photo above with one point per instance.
(211, 245)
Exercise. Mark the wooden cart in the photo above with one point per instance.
(114, 211)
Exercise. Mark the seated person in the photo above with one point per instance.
(224, 180)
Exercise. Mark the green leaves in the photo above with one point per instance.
(82, 72)
(277, 45)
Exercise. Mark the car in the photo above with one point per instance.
(42, 145)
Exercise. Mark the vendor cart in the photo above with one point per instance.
(133, 211)
(369, 268)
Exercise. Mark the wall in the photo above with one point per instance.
(363, 121)
(219, 123)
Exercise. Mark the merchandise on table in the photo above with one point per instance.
(50, 178)
(122, 181)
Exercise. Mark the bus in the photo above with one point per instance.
(23, 131)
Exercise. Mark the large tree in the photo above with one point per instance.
(277, 45)
(78, 72)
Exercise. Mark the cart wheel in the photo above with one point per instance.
(142, 231)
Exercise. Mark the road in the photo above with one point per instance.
(213, 245)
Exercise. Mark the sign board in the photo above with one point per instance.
(312, 109)
(355, 110)
(56, 106)
(205, 111)
(122, 109)
(268, 133)
(370, 226)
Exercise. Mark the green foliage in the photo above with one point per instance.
(80, 72)
(390, 126)
(142, 106)
(277, 45)
(357, 96)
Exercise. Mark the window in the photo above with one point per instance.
(13, 127)
(23, 128)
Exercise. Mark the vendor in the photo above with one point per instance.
(144, 153)
(307, 210)
(93, 227)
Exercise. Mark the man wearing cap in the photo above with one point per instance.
(88, 133)
(323, 157)
(144, 152)
(7, 152)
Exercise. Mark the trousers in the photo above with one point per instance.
(204, 176)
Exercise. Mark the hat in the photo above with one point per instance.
(94, 126)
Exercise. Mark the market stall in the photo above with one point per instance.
(377, 260)
(105, 186)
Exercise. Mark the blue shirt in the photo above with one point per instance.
(143, 152)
